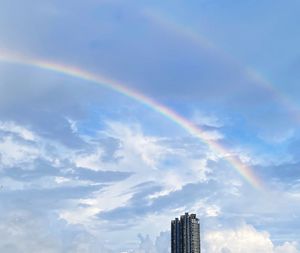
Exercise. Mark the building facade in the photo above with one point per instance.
(185, 234)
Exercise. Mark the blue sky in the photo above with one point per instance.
(87, 169)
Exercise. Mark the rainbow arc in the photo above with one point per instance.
(244, 170)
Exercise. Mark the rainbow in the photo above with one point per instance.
(244, 170)
(291, 107)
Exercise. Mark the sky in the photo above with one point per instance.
(117, 116)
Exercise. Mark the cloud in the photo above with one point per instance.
(14, 153)
(241, 239)
(208, 120)
(67, 148)
(287, 247)
(160, 245)
(11, 127)
(123, 185)
(23, 231)
(244, 239)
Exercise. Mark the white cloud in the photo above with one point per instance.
(143, 155)
(23, 231)
(161, 244)
(73, 125)
(287, 247)
(135, 143)
(21, 131)
(245, 239)
(213, 211)
(137, 151)
(92, 160)
(204, 119)
(13, 153)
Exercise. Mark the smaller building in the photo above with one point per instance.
(185, 234)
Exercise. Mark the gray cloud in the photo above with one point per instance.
(27, 232)
(44, 200)
(140, 205)
(162, 61)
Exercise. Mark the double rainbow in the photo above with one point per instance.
(244, 170)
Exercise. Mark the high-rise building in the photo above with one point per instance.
(185, 234)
